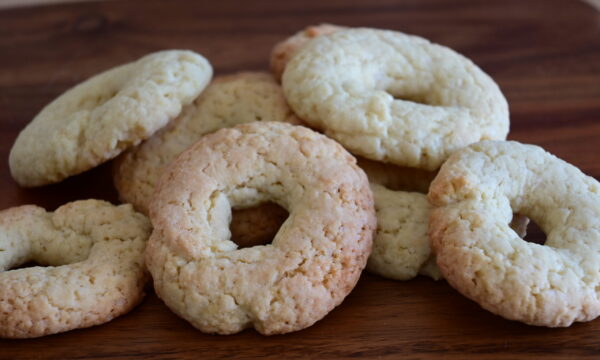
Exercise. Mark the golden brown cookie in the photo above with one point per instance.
(314, 260)
(474, 197)
(93, 270)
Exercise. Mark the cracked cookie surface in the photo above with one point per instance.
(314, 260)
(474, 196)
(98, 119)
(393, 97)
(94, 269)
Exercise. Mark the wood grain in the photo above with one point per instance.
(545, 55)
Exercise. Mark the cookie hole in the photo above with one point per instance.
(535, 234)
(412, 98)
(256, 225)
(419, 98)
(527, 229)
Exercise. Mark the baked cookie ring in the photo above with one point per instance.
(475, 194)
(96, 120)
(95, 270)
(314, 260)
(393, 97)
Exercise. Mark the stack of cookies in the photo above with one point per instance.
(365, 148)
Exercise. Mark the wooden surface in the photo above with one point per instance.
(545, 55)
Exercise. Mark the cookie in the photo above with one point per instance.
(474, 196)
(106, 114)
(227, 101)
(282, 52)
(314, 260)
(93, 270)
(392, 97)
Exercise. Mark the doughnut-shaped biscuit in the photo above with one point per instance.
(314, 260)
(474, 196)
(283, 51)
(227, 101)
(393, 97)
(106, 114)
(94, 269)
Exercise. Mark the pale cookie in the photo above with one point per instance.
(93, 270)
(226, 102)
(106, 114)
(475, 194)
(283, 51)
(393, 97)
(314, 260)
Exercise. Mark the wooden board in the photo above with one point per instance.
(545, 55)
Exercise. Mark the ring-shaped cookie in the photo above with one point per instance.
(96, 120)
(314, 260)
(94, 257)
(392, 97)
(474, 196)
